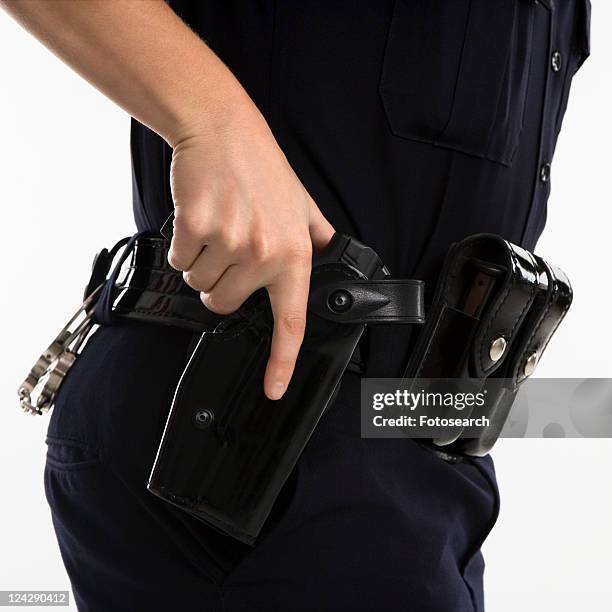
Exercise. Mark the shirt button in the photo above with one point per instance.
(555, 61)
(545, 172)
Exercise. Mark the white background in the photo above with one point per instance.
(66, 191)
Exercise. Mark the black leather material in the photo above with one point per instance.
(227, 449)
(489, 289)
(151, 291)
(552, 301)
(450, 328)
(546, 316)
(384, 301)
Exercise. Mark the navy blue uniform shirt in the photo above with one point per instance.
(412, 123)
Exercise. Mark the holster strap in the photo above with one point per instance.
(370, 301)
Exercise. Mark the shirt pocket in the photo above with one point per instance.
(455, 74)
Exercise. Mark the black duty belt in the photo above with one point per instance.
(352, 288)
(225, 454)
(151, 291)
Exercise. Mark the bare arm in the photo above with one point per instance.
(140, 55)
(243, 219)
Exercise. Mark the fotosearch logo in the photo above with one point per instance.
(411, 400)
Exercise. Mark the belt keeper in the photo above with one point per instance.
(103, 312)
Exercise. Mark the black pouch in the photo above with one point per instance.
(227, 449)
(552, 301)
(494, 310)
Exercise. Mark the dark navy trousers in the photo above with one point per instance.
(360, 525)
(412, 124)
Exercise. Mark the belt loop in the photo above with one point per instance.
(104, 307)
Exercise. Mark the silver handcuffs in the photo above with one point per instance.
(38, 391)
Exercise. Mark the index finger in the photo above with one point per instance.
(289, 298)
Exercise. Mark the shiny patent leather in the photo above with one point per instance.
(227, 449)
(490, 291)
(552, 301)
(153, 292)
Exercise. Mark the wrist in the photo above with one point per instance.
(212, 115)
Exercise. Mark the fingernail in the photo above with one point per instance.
(278, 388)
(206, 299)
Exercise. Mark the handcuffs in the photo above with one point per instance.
(37, 392)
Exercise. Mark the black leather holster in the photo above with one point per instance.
(227, 450)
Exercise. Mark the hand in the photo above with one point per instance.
(243, 220)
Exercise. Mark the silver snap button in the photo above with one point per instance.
(497, 348)
(555, 61)
(545, 172)
(530, 364)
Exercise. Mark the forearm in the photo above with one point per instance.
(143, 57)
